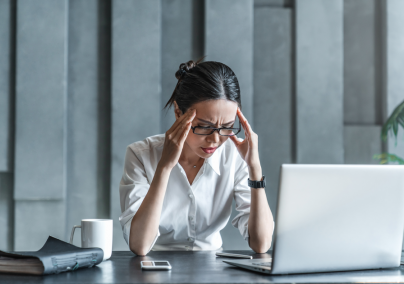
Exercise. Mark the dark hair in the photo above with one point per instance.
(209, 80)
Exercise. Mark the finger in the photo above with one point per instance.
(182, 120)
(175, 124)
(244, 122)
(191, 116)
(180, 127)
(176, 134)
(187, 116)
(245, 133)
(241, 115)
(187, 120)
(244, 126)
(249, 129)
(184, 133)
(235, 140)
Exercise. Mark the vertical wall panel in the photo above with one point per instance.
(319, 81)
(361, 142)
(6, 74)
(176, 48)
(395, 67)
(85, 91)
(361, 78)
(6, 211)
(229, 39)
(40, 121)
(40, 102)
(273, 92)
(136, 90)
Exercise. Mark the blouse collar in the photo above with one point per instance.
(214, 160)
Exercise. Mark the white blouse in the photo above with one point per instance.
(192, 215)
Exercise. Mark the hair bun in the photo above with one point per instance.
(184, 68)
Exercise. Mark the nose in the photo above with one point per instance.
(214, 137)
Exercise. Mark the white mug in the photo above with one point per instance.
(96, 233)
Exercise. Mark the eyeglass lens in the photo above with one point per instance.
(222, 131)
(207, 131)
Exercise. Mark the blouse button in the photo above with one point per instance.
(191, 218)
(190, 196)
(191, 239)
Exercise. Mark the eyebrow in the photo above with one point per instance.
(210, 123)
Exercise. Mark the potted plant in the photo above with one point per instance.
(391, 126)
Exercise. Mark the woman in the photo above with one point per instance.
(177, 188)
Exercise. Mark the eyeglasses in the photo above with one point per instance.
(224, 131)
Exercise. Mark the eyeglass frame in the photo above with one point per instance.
(218, 130)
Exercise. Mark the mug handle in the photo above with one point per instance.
(72, 234)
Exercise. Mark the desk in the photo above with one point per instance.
(195, 267)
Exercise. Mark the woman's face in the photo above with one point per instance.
(212, 113)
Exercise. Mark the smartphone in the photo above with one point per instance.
(155, 265)
(233, 255)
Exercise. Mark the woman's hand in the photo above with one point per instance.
(175, 138)
(248, 148)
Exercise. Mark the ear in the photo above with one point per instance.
(177, 111)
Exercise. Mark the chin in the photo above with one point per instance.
(203, 155)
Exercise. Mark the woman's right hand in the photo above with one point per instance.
(175, 138)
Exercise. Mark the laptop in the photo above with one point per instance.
(335, 218)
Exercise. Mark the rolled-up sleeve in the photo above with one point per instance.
(133, 188)
(242, 197)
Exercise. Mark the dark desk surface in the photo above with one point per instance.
(195, 267)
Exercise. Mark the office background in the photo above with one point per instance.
(80, 80)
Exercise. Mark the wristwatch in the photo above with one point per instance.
(257, 184)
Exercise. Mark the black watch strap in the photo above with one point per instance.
(257, 184)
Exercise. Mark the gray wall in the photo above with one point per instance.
(363, 80)
(319, 81)
(318, 78)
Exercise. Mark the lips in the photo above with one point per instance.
(209, 150)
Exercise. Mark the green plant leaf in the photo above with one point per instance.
(401, 121)
(387, 157)
(392, 123)
(395, 127)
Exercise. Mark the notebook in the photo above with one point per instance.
(54, 257)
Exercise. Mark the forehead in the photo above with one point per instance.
(216, 111)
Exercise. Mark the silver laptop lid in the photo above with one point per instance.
(338, 217)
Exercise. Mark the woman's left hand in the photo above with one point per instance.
(248, 148)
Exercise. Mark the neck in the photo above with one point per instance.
(188, 156)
